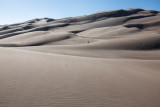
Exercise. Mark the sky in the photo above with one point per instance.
(14, 11)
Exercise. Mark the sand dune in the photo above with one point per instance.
(107, 59)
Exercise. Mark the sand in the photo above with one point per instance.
(107, 59)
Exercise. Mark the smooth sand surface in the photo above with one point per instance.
(107, 59)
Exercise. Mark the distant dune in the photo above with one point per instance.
(107, 59)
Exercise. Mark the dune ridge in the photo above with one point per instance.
(119, 20)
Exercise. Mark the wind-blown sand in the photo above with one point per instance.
(107, 59)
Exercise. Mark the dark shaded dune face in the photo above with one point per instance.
(27, 27)
(139, 26)
(130, 29)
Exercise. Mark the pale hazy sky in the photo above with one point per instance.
(13, 11)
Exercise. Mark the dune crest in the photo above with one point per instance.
(106, 26)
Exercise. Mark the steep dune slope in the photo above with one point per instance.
(99, 29)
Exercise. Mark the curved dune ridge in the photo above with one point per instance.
(103, 28)
(106, 59)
